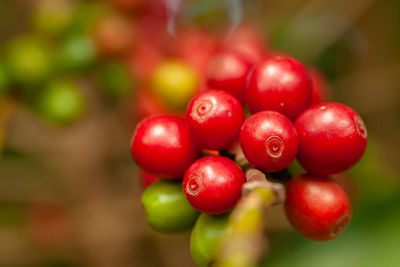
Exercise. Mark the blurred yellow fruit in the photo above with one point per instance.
(175, 83)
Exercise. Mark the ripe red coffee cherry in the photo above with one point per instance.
(317, 207)
(280, 84)
(269, 141)
(162, 146)
(214, 118)
(113, 34)
(213, 184)
(321, 91)
(146, 179)
(228, 71)
(248, 41)
(332, 138)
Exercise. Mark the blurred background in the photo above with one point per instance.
(76, 77)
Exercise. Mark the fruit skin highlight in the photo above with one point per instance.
(214, 118)
(228, 71)
(317, 207)
(280, 84)
(163, 146)
(167, 210)
(332, 138)
(269, 141)
(213, 184)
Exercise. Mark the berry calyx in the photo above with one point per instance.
(280, 84)
(162, 146)
(213, 184)
(332, 138)
(317, 207)
(228, 71)
(167, 209)
(269, 141)
(214, 118)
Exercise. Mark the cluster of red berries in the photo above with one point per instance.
(327, 138)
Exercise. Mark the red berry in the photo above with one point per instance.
(317, 207)
(214, 118)
(147, 179)
(321, 91)
(248, 41)
(162, 146)
(228, 71)
(269, 141)
(113, 34)
(279, 84)
(332, 138)
(213, 184)
(196, 40)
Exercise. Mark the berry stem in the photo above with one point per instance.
(245, 242)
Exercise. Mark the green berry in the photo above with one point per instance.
(166, 207)
(28, 59)
(77, 53)
(61, 102)
(206, 237)
(52, 17)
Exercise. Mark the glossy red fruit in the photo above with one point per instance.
(321, 92)
(213, 184)
(162, 146)
(279, 84)
(113, 34)
(269, 141)
(146, 103)
(228, 71)
(214, 118)
(144, 59)
(197, 40)
(248, 41)
(146, 179)
(332, 138)
(317, 207)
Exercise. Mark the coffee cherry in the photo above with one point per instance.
(279, 84)
(175, 82)
(247, 41)
(52, 17)
(147, 104)
(321, 91)
(228, 71)
(167, 209)
(269, 141)
(317, 207)
(206, 237)
(28, 60)
(332, 138)
(162, 146)
(213, 184)
(77, 53)
(214, 118)
(195, 39)
(61, 102)
(146, 179)
(113, 34)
